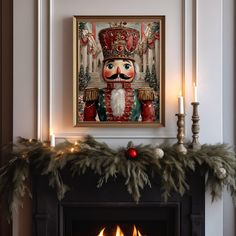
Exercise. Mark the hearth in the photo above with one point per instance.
(146, 219)
(87, 210)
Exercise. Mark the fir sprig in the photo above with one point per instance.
(217, 163)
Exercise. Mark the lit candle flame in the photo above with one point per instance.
(180, 93)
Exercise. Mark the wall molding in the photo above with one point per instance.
(39, 73)
(43, 68)
(51, 91)
(74, 136)
(195, 42)
(48, 9)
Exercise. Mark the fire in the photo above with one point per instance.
(101, 233)
(136, 232)
(120, 233)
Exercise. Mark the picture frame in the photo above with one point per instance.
(119, 71)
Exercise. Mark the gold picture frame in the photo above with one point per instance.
(148, 57)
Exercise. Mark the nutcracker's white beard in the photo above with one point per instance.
(118, 102)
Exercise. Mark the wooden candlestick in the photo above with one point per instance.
(180, 148)
(195, 145)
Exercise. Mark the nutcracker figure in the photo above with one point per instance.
(119, 101)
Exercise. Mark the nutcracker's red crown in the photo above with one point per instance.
(119, 42)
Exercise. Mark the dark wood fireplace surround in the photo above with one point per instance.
(185, 215)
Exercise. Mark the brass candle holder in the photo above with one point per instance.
(180, 148)
(195, 145)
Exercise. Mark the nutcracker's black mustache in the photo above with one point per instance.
(116, 76)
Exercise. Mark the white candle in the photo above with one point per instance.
(195, 92)
(181, 104)
(52, 139)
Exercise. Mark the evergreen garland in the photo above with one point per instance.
(217, 162)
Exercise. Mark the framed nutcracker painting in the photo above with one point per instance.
(119, 71)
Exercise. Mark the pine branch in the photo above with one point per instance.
(217, 163)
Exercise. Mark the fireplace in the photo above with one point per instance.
(132, 219)
(87, 210)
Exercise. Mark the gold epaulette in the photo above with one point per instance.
(91, 94)
(145, 94)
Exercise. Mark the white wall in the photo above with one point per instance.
(214, 57)
(229, 109)
(209, 69)
(62, 63)
(24, 90)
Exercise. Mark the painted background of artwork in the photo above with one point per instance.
(90, 59)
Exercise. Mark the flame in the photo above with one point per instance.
(120, 233)
(180, 93)
(136, 232)
(101, 232)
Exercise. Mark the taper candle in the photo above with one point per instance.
(181, 104)
(195, 93)
(52, 139)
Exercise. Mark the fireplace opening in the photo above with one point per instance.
(119, 228)
(121, 219)
(120, 231)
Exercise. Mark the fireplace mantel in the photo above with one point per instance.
(50, 214)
